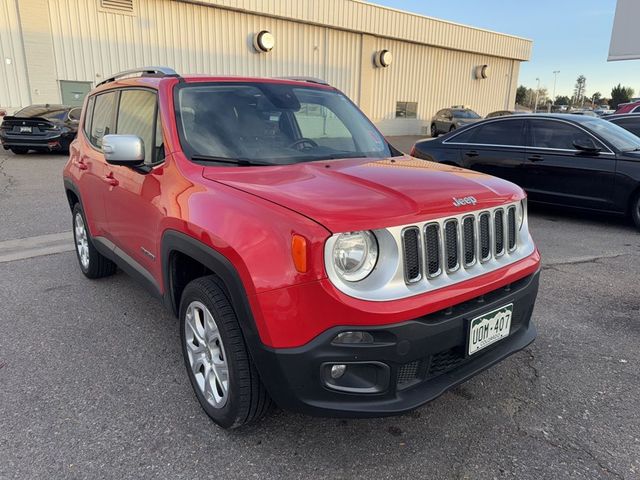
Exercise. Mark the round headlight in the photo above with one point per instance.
(355, 255)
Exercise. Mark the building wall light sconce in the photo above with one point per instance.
(482, 72)
(263, 41)
(383, 58)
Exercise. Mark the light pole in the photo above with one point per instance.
(535, 108)
(555, 81)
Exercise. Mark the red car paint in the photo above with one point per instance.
(249, 215)
(628, 108)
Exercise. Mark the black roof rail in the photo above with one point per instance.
(319, 81)
(145, 71)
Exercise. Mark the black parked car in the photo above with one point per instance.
(628, 121)
(572, 160)
(448, 119)
(40, 127)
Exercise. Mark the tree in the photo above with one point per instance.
(562, 100)
(521, 95)
(579, 89)
(620, 94)
(596, 98)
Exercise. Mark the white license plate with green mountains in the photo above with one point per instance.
(489, 328)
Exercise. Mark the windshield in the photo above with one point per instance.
(465, 114)
(617, 136)
(50, 112)
(271, 123)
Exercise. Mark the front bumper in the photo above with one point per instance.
(424, 357)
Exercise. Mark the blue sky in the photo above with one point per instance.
(568, 35)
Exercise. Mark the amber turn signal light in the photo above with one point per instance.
(299, 252)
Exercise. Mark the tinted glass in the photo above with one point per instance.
(465, 114)
(159, 153)
(631, 124)
(505, 132)
(558, 135)
(88, 116)
(74, 114)
(136, 116)
(620, 138)
(268, 122)
(102, 122)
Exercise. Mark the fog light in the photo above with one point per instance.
(353, 337)
(337, 371)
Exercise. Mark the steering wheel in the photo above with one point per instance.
(303, 141)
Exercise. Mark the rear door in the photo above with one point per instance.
(89, 160)
(495, 147)
(134, 210)
(555, 172)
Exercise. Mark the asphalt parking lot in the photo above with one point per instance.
(92, 383)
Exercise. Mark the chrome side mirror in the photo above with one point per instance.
(127, 150)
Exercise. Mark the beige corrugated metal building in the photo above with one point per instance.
(52, 51)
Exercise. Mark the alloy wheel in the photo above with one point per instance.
(207, 357)
(82, 242)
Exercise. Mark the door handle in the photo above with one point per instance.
(111, 180)
(536, 158)
(471, 153)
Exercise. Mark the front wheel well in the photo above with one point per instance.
(72, 198)
(183, 269)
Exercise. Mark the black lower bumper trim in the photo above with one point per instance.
(426, 357)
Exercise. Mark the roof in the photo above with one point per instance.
(363, 17)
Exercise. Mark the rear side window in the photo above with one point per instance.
(556, 135)
(88, 116)
(503, 132)
(136, 116)
(102, 122)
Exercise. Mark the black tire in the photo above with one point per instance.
(20, 150)
(98, 266)
(434, 130)
(635, 210)
(247, 399)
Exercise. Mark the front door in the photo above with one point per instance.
(556, 172)
(133, 211)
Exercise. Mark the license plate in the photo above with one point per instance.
(25, 129)
(489, 328)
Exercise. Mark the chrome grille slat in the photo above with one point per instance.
(447, 245)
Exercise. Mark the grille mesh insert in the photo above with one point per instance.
(411, 247)
(511, 226)
(485, 236)
(451, 243)
(469, 232)
(408, 373)
(499, 228)
(432, 245)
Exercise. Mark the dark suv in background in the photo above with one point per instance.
(448, 119)
(45, 128)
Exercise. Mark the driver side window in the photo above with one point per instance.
(318, 123)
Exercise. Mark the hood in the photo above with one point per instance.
(361, 194)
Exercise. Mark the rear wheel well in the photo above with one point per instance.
(72, 198)
(635, 194)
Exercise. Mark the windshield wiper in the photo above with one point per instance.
(242, 162)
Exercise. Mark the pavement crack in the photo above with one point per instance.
(581, 261)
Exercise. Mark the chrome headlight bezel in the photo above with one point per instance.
(347, 247)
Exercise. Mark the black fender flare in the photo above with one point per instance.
(69, 185)
(221, 266)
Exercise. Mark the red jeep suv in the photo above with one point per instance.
(309, 262)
